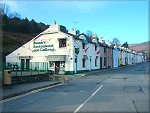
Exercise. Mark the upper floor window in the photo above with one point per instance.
(83, 62)
(62, 43)
(104, 49)
(83, 46)
(95, 48)
(96, 62)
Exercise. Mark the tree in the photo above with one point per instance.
(14, 24)
(89, 33)
(116, 41)
(5, 23)
(63, 29)
(33, 26)
(42, 26)
(78, 32)
(14, 15)
(125, 45)
(4, 9)
(25, 25)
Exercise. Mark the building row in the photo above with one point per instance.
(68, 52)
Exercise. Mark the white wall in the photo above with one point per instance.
(28, 49)
(115, 57)
(123, 57)
(50, 37)
(91, 53)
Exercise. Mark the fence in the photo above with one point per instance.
(26, 72)
(22, 69)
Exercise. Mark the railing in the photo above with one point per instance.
(33, 71)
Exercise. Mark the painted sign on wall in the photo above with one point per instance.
(42, 46)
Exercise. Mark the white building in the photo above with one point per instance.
(129, 57)
(123, 55)
(115, 57)
(59, 51)
(64, 52)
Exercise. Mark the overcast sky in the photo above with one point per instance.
(125, 20)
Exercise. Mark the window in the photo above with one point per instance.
(95, 62)
(62, 64)
(83, 62)
(62, 43)
(83, 46)
(51, 64)
(104, 61)
(76, 60)
(95, 48)
(104, 49)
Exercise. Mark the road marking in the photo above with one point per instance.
(29, 93)
(87, 100)
(82, 91)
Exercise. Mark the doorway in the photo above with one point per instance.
(22, 64)
(90, 63)
(101, 62)
(57, 67)
(27, 64)
(76, 65)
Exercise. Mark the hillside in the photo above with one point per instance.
(140, 46)
(12, 41)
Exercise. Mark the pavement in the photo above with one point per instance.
(16, 90)
(11, 91)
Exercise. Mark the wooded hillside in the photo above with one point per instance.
(13, 23)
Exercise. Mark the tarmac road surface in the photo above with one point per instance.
(124, 89)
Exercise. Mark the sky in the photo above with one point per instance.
(127, 20)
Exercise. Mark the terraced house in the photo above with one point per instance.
(115, 56)
(65, 52)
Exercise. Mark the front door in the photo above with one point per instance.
(27, 64)
(100, 62)
(90, 62)
(57, 67)
(22, 64)
(76, 65)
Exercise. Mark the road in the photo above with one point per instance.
(124, 89)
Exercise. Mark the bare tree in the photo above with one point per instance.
(4, 9)
(116, 41)
(14, 15)
(89, 33)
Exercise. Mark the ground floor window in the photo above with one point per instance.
(25, 64)
(96, 62)
(51, 64)
(62, 65)
(83, 62)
